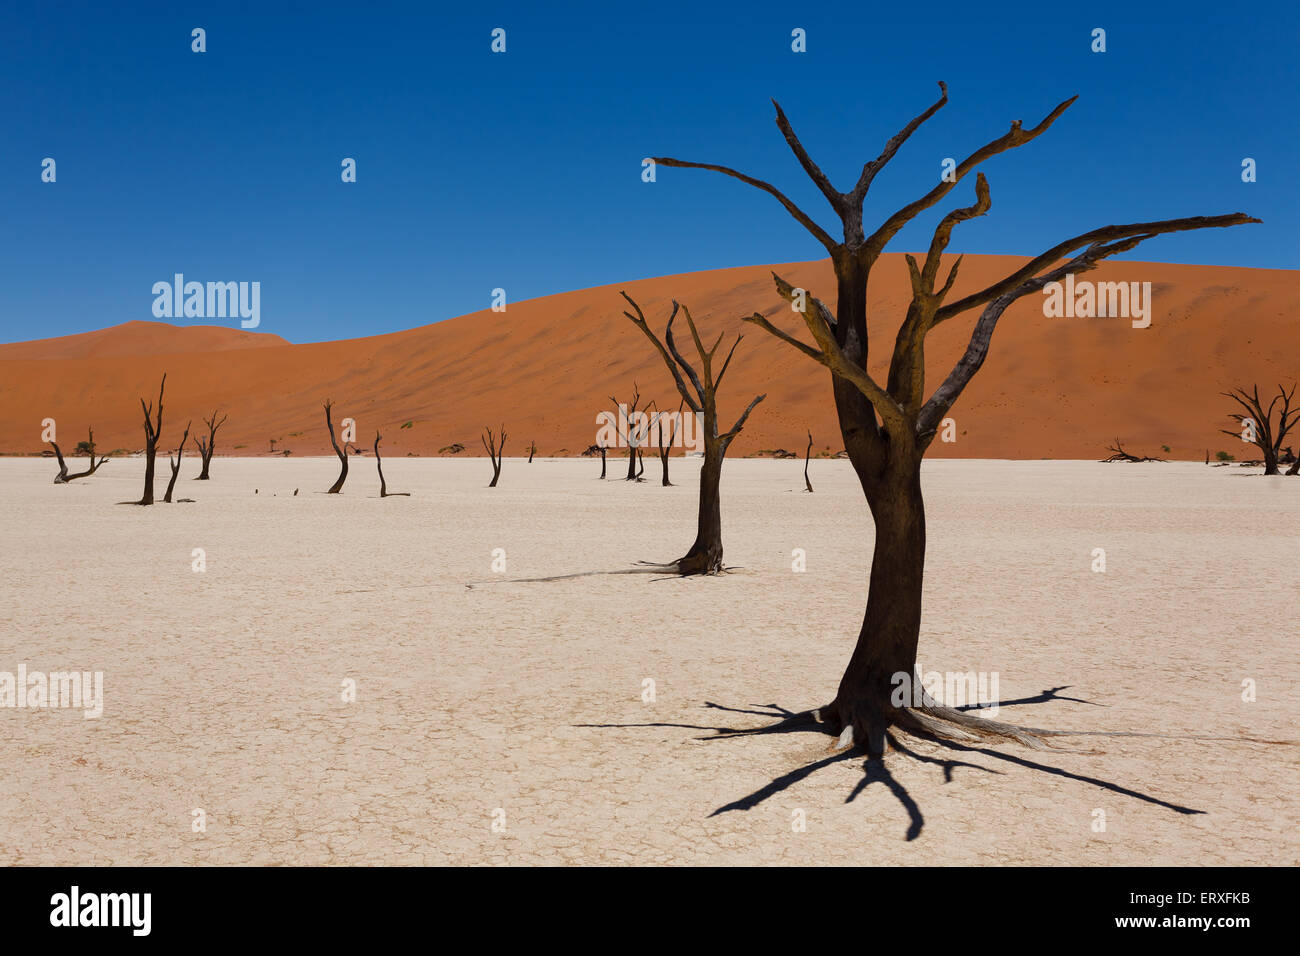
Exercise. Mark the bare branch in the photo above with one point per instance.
(800, 216)
(870, 169)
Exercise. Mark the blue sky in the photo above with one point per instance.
(522, 170)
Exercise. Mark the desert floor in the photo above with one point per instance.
(480, 697)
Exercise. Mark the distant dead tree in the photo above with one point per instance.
(496, 448)
(632, 438)
(341, 452)
(532, 450)
(701, 397)
(807, 455)
(1257, 423)
(1119, 454)
(602, 459)
(152, 431)
(62, 478)
(207, 445)
(383, 486)
(887, 429)
(176, 463)
(664, 450)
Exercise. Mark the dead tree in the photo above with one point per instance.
(1261, 430)
(176, 464)
(701, 397)
(806, 457)
(495, 449)
(63, 477)
(602, 459)
(532, 450)
(207, 445)
(152, 430)
(887, 429)
(1119, 454)
(664, 450)
(628, 436)
(383, 486)
(341, 452)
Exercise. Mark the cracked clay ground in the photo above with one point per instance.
(223, 688)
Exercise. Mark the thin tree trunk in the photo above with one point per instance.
(152, 431)
(176, 465)
(807, 455)
(341, 452)
(383, 485)
(602, 461)
(705, 555)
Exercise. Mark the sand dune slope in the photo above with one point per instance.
(1058, 388)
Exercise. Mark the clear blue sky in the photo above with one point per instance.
(522, 170)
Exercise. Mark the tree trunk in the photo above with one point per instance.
(602, 461)
(705, 555)
(631, 463)
(205, 454)
(1270, 459)
(891, 626)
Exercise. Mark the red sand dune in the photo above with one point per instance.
(1051, 388)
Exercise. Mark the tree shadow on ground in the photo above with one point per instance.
(874, 769)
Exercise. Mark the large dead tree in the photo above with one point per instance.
(383, 485)
(496, 447)
(701, 397)
(341, 452)
(63, 477)
(887, 429)
(207, 445)
(152, 430)
(1261, 430)
(176, 464)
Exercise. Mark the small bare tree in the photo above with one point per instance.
(1257, 423)
(1119, 454)
(701, 397)
(62, 478)
(631, 436)
(807, 455)
(532, 450)
(176, 464)
(496, 448)
(207, 445)
(152, 430)
(664, 450)
(341, 452)
(602, 459)
(383, 486)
